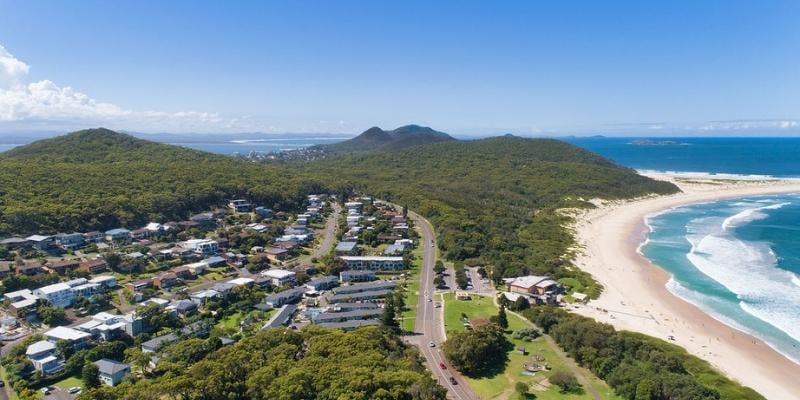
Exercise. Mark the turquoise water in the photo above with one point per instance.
(738, 260)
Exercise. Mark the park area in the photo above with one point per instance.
(539, 352)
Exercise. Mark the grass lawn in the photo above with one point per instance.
(501, 386)
(231, 322)
(412, 291)
(68, 383)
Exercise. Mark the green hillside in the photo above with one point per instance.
(377, 139)
(97, 178)
(494, 200)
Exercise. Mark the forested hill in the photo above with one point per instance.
(494, 201)
(377, 139)
(97, 178)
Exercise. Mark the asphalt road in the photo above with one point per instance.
(429, 325)
(329, 234)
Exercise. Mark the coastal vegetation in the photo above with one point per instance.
(494, 201)
(100, 179)
(635, 365)
(282, 364)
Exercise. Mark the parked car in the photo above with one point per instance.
(45, 390)
(453, 381)
(74, 389)
(431, 344)
(442, 366)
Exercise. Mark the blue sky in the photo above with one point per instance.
(467, 67)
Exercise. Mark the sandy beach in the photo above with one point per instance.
(636, 299)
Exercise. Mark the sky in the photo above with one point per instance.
(464, 67)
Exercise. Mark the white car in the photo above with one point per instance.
(431, 344)
(74, 389)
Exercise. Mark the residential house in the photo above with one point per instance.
(79, 339)
(105, 281)
(206, 220)
(287, 296)
(281, 317)
(14, 243)
(94, 266)
(323, 283)
(346, 249)
(182, 307)
(93, 237)
(21, 302)
(106, 326)
(201, 246)
(277, 254)
(69, 241)
(204, 295)
(111, 372)
(137, 286)
(363, 275)
(280, 277)
(141, 233)
(182, 273)
(58, 295)
(118, 235)
(29, 270)
(166, 280)
(240, 205)
(86, 290)
(44, 357)
(62, 266)
(375, 263)
(40, 242)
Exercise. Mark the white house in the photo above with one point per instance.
(280, 277)
(58, 294)
(44, 357)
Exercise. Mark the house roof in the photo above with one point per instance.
(54, 288)
(530, 281)
(37, 238)
(117, 231)
(278, 273)
(40, 347)
(346, 246)
(111, 367)
(64, 333)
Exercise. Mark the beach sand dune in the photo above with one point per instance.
(636, 299)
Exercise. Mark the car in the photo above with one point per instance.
(2, 383)
(74, 389)
(430, 299)
(442, 366)
(431, 344)
(45, 390)
(437, 305)
(453, 381)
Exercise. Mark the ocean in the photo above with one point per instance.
(737, 259)
(779, 157)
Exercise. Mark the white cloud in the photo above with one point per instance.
(743, 125)
(46, 102)
(11, 68)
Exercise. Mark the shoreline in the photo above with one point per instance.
(636, 297)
